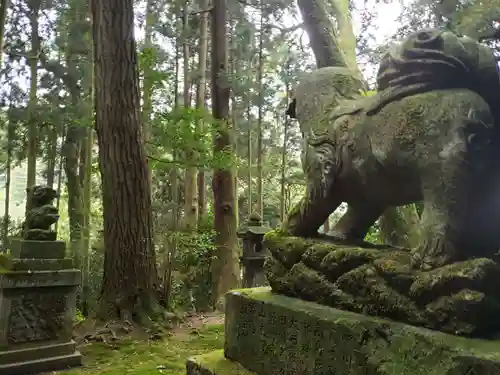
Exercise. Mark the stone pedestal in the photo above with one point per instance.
(267, 334)
(37, 307)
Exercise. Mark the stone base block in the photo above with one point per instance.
(273, 334)
(214, 364)
(32, 359)
(31, 249)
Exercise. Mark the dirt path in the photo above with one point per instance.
(193, 323)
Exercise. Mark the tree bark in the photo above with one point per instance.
(225, 266)
(86, 159)
(8, 169)
(4, 5)
(33, 100)
(147, 93)
(191, 156)
(249, 154)
(260, 117)
(130, 272)
(200, 98)
(52, 155)
(284, 152)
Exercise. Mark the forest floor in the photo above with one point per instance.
(135, 353)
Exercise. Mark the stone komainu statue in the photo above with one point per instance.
(41, 214)
(428, 134)
(431, 134)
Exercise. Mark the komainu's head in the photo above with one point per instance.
(319, 92)
(41, 195)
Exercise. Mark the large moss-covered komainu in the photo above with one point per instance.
(431, 134)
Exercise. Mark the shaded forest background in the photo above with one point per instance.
(47, 121)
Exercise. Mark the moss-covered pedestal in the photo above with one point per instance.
(269, 334)
(37, 306)
(461, 298)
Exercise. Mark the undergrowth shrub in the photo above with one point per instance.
(192, 278)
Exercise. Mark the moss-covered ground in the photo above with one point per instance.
(146, 357)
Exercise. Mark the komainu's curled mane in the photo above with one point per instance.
(434, 60)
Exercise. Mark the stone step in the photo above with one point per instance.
(38, 366)
(32, 352)
(273, 334)
(214, 363)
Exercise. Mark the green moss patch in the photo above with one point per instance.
(269, 333)
(215, 363)
(461, 298)
(138, 357)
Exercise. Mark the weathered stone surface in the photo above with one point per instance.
(31, 353)
(31, 249)
(462, 298)
(38, 316)
(41, 214)
(37, 307)
(215, 364)
(39, 278)
(429, 134)
(41, 264)
(42, 365)
(274, 334)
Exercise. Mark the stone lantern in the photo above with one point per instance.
(254, 254)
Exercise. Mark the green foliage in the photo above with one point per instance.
(176, 132)
(148, 59)
(5, 261)
(192, 285)
(368, 93)
(78, 317)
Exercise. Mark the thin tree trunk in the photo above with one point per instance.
(52, 155)
(260, 78)
(147, 102)
(8, 168)
(191, 157)
(4, 5)
(235, 72)
(86, 175)
(59, 179)
(168, 267)
(33, 100)
(75, 134)
(249, 159)
(130, 273)
(225, 266)
(284, 155)
(200, 97)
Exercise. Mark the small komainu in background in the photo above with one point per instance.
(41, 215)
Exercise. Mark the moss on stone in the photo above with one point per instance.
(215, 363)
(460, 312)
(313, 286)
(315, 254)
(6, 262)
(342, 260)
(476, 274)
(273, 333)
(288, 250)
(395, 268)
(459, 298)
(278, 277)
